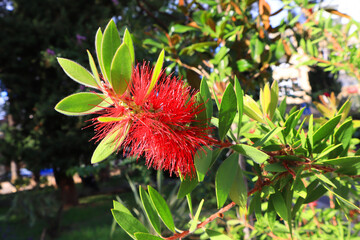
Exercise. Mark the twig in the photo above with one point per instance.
(218, 214)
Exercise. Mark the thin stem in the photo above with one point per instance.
(202, 224)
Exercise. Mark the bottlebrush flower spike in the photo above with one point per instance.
(159, 124)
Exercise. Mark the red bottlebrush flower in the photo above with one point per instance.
(160, 124)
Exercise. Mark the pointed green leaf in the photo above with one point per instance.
(271, 213)
(128, 41)
(238, 191)
(275, 167)
(225, 177)
(279, 205)
(146, 236)
(314, 191)
(157, 71)
(240, 102)
(110, 43)
(161, 208)
(214, 235)
(196, 217)
(150, 210)
(325, 130)
(98, 42)
(274, 98)
(187, 185)
(93, 68)
(324, 179)
(127, 222)
(227, 110)
(251, 152)
(252, 110)
(121, 70)
(119, 207)
(206, 95)
(202, 161)
(299, 187)
(342, 199)
(265, 98)
(343, 161)
(77, 72)
(81, 104)
(267, 137)
(328, 150)
(109, 144)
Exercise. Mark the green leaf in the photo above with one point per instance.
(119, 207)
(81, 104)
(214, 235)
(252, 109)
(274, 98)
(240, 102)
(243, 65)
(227, 110)
(77, 73)
(271, 213)
(178, 28)
(202, 161)
(196, 217)
(324, 179)
(146, 236)
(150, 210)
(238, 191)
(275, 167)
(267, 137)
(98, 41)
(325, 130)
(93, 68)
(109, 144)
(128, 41)
(279, 205)
(343, 161)
(157, 71)
(251, 152)
(350, 204)
(257, 48)
(206, 95)
(314, 191)
(328, 150)
(225, 177)
(299, 187)
(121, 70)
(127, 222)
(187, 185)
(289, 123)
(343, 135)
(162, 208)
(110, 43)
(282, 107)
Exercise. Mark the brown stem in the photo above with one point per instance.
(202, 224)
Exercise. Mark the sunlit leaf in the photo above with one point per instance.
(77, 72)
(162, 208)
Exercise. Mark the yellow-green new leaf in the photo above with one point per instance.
(93, 68)
(77, 72)
(109, 144)
(252, 109)
(82, 103)
(156, 71)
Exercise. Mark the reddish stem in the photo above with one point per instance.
(202, 224)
